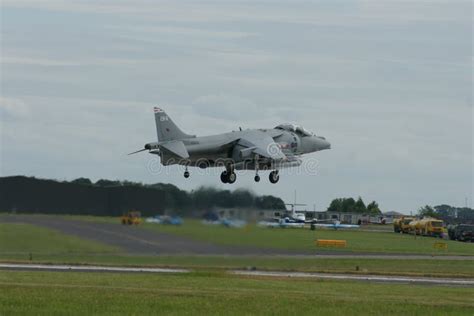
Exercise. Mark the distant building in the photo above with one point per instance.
(391, 216)
(343, 217)
(358, 218)
(249, 214)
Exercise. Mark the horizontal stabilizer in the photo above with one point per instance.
(176, 147)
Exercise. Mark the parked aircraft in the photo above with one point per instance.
(285, 222)
(251, 149)
(226, 222)
(336, 225)
(166, 220)
(299, 217)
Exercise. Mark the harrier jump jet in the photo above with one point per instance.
(251, 149)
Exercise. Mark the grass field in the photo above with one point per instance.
(303, 239)
(24, 238)
(19, 241)
(209, 289)
(47, 293)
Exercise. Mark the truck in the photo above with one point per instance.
(427, 226)
(461, 232)
(131, 218)
(401, 225)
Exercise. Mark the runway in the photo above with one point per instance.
(270, 274)
(134, 240)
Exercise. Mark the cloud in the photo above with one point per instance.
(180, 32)
(226, 107)
(13, 108)
(37, 61)
(386, 82)
(349, 14)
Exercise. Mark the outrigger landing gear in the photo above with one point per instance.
(274, 177)
(257, 177)
(228, 176)
(186, 172)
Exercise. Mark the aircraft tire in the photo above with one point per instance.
(224, 177)
(231, 178)
(186, 174)
(274, 177)
(257, 178)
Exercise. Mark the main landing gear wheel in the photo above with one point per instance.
(224, 176)
(274, 177)
(227, 177)
(231, 178)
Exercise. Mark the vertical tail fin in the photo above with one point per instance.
(166, 129)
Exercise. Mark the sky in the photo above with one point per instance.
(388, 83)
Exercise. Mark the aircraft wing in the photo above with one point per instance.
(262, 145)
(324, 225)
(347, 226)
(337, 226)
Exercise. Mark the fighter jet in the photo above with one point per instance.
(250, 149)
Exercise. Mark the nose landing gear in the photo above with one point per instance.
(257, 177)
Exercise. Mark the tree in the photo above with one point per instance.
(243, 197)
(127, 183)
(373, 208)
(82, 181)
(108, 183)
(359, 206)
(335, 206)
(268, 202)
(427, 211)
(348, 205)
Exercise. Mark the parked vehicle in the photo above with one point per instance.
(131, 218)
(401, 225)
(461, 232)
(427, 227)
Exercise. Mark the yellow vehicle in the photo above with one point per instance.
(413, 227)
(427, 227)
(131, 218)
(401, 225)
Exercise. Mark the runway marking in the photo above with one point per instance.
(87, 268)
(278, 274)
(376, 278)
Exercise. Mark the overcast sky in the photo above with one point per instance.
(389, 84)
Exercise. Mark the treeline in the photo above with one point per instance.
(350, 205)
(448, 213)
(111, 198)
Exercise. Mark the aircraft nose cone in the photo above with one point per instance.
(327, 145)
(323, 144)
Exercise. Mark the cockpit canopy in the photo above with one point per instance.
(300, 130)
